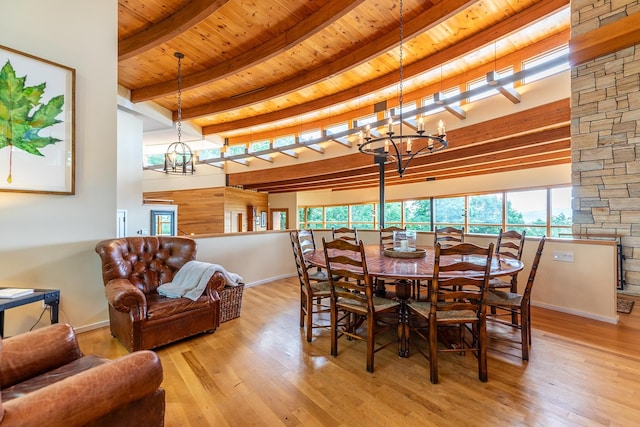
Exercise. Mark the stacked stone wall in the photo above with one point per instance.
(605, 137)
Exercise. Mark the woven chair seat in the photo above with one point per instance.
(320, 289)
(380, 304)
(499, 283)
(506, 299)
(320, 276)
(457, 315)
(423, 308)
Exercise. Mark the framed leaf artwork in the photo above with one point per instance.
(37, 124)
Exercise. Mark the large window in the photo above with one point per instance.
(257, 146)
(485, 213)
(362, 216)
(337, 216)
(417, 214)
(542, 211)
(392, 214)
(528, 211)
(310, 135)
(284, 141)
(235, 150)
(544, 58)
(561, 212)
(449, 212)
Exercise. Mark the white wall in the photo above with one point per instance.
(48, 240)
(258, 257)
(129, 176)
(286, 201)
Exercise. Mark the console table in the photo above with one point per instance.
(51, 297)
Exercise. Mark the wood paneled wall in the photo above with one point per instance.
(214, 210)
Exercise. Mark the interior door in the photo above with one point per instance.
(279, 219)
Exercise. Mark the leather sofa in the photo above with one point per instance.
(141, 318)
(46, 380)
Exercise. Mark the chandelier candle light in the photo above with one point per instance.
(396, 147)
(179, 158)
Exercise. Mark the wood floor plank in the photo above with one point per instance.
(258, 370)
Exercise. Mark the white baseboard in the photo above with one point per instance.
(606, 319)
(270, 279)
(91, 327)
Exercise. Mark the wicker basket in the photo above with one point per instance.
(230, 302)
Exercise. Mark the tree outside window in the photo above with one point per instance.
(449, 212)
(417, 214)
(485, 213)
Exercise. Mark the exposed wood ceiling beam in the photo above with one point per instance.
(174, 25)
(432, 16)
(531, 14)
(324, 17)
(609, 38)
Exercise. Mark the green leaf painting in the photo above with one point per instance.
(23, 116)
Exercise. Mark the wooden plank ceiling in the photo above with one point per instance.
(254, 67)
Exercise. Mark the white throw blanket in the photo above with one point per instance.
(191, 280)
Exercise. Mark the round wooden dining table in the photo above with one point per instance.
(381, 265)
(405, 271)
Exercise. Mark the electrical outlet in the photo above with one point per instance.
(564, 256)
(44, 304)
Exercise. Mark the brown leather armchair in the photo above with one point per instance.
(47, 381)
(141, 318)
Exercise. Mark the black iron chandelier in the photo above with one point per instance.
(398, 147)
(179, 158)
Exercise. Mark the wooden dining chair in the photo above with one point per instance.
(355, 311)
(511, 304)
(314, 296)
(386, 236)
(510, 244)
(307, 242)
(448, 236)
(344, 233)
(462, 307)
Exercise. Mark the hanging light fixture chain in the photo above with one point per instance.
(396, 147)
(179, 56)
(401, 100)
(179, 158)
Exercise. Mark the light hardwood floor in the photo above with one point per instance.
(258, 370)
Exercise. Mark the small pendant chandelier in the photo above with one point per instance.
(178, 159)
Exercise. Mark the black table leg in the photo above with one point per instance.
(53, 301)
